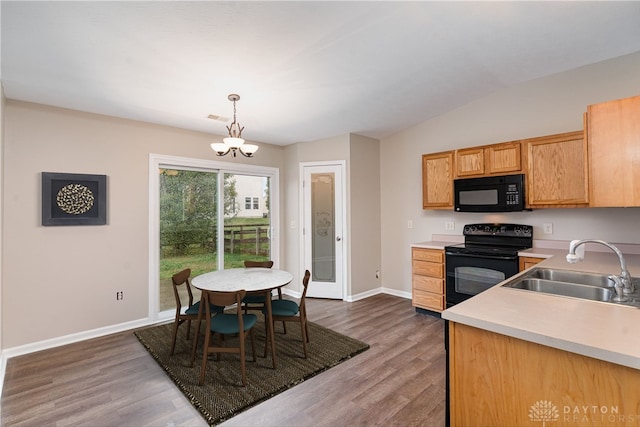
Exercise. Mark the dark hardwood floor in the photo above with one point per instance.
(113, 381)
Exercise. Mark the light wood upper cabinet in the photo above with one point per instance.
(557, 171)
(437, 180)
(504, 158)
(497, 159)
(470, 162)
(613, 133)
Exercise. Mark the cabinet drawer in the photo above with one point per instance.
(428, 284)
(428, 300)
(431, 255)
(431, 269)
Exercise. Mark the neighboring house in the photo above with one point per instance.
(251, 199)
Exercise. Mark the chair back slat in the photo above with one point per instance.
(223, 299)
(253, 264)
(179, 279)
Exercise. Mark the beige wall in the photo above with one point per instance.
(541, 107)
(69, 275)
(2, 102)
(62, 280)
(362, 158)
(330, 149)
(364, 214)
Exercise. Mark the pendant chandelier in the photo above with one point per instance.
(234, 142)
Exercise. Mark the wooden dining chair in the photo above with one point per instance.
(289, 311)
(180, 281)
(236, 323)
(256, 300)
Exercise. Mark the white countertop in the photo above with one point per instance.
(432, 244)
(603, 331)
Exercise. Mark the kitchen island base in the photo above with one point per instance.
(498, 380)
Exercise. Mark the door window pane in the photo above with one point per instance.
(323, 258)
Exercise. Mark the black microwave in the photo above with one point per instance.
(489, 194)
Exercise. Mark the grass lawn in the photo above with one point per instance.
(201, 260)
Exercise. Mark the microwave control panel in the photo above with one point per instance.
(512, 194)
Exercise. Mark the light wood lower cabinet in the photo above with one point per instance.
(526, 262)
(428, 279)
(497, 380)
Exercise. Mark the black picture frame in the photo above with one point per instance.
(74, 199)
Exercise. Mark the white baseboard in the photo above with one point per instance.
(360, 296)
(381, 290)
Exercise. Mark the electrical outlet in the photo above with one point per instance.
(119, 295)
(449, 225)
(377, 274)
(547, 228)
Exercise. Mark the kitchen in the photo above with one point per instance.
(504, 349)
(544, 106)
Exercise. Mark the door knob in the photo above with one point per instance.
(338, 238)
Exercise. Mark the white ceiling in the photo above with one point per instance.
(304, 70)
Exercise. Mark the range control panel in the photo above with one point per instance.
(502, 230)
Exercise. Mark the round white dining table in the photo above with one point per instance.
(253, 279)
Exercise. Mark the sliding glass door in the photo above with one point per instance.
(205, 218)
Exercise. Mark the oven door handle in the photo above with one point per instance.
(484, 256)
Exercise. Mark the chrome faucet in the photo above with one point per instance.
(622, 281)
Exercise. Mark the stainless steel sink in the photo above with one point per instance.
(594, 293)
(575, 284)
(590, 279)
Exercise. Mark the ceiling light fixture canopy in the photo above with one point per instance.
(234, 142)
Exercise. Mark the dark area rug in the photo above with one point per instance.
(222, 396)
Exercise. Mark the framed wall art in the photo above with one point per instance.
(74, 199)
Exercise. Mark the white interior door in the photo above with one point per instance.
(323, 207)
